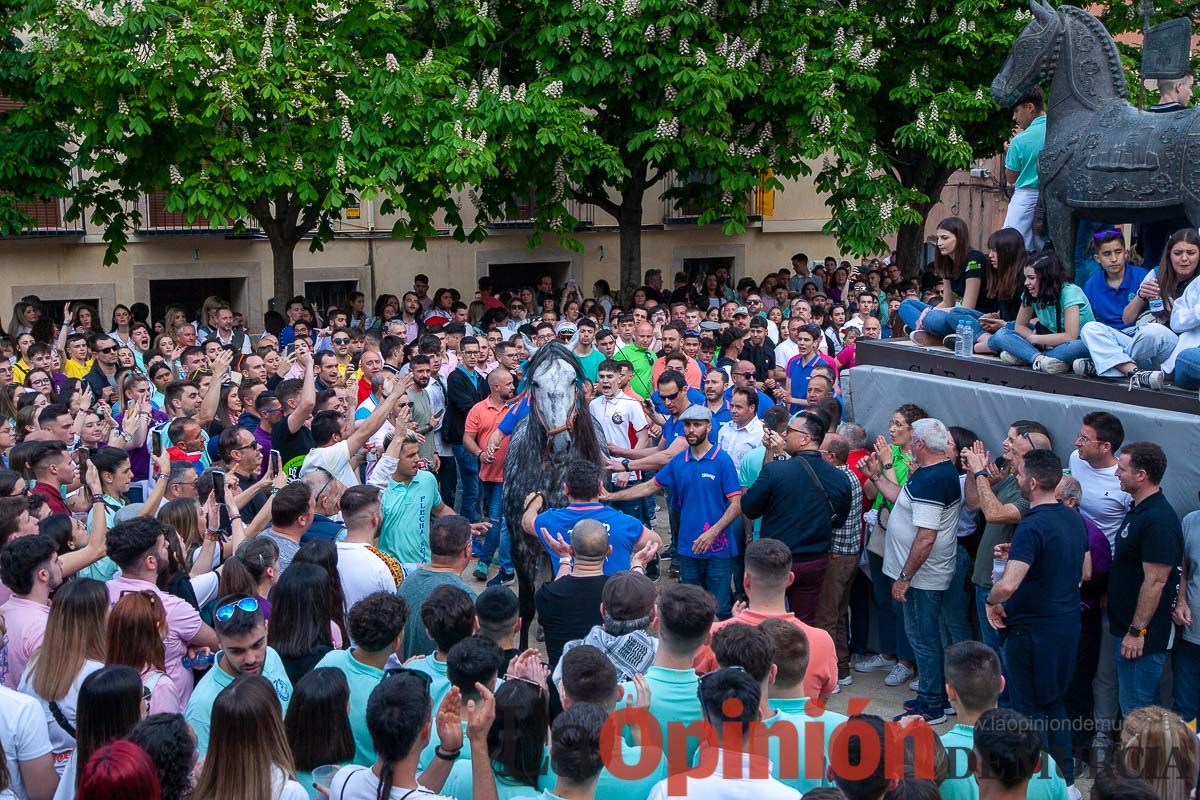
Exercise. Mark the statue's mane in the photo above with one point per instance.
(1110, 57)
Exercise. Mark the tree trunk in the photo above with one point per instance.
(283, 258)
(629, 222)
(918, 171)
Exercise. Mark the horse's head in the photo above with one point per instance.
(1032, 58)
(553, 380)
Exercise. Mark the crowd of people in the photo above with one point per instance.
(243, 564)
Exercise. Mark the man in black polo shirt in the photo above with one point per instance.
(758, 349)
(1036, 603)
(1144, 581)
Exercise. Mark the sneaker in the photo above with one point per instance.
(876, 663)
(1084, 366)
(1073, 793)
(911, 704)
(837, 689)
(1009, 358)
(481, 572)
(931, 716)
(673, 572)
(1146, 379)
(846, 680)
(951, 342)
(923, 339)
(1050, 366)
(899, 675)
(915, 684)
(503, 578)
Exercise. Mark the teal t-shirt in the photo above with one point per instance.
(748, 471)
(959, 741)
(1071, 295)
(363, 678)
(673, 699)
(103, 570)
(590, 363)
(1023, 151)
(406, 512)
(439, 684)
(458, 783)
(199, 707)
(796, 711)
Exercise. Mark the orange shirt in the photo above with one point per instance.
(693, 375)
(820, 679)
(482, 419)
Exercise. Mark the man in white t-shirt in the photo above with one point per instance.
(26, 742)
(334, 446)
(1094, 465)
(620, 417)
(362, 567)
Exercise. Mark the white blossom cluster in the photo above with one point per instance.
(472, 96)
(261, 161)
(560, 182)
(290, 30)
(553, 89)
(933, 111)
(822, 123)
(491, 80)
(685, 46)
(839, 38)
(143, 52)
(1023, 15)
(670, 93)
(386, 119)
(667, 129)
(933, 15)
(829, 91)
(173, 111)
(885, 210)
(871, 59)
(100, 17)
(851, 204)
(298, 166)
(425, 61)
(268, 32)
(340, 166)
(912, 80)
(122, 107)
(726, 198)
(709, 9)
(606, 46)
(979, 95)
(226, 91)
(176, 177)
(736, 53)
(585, 37)
(342, 98)
(799, 65)
(137, 6)
(630, 7)
(701, 57)
(347, 131)
(390, 63)
(965, 25)
(576, 5)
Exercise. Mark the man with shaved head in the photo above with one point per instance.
(743, 375)
(641, 358)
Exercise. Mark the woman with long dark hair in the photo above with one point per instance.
(252, 571)
(964, 274)
(73, 648)
(137, 626)
(122, 320)
(170, 743)
(248, 756)
(1164, 320)
(323, 694)
(324, 554)
(1001, 300)
(110, 705)
(517, 743)
(300, 619)
(1053, 311)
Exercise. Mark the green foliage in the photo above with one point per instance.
(929, 115)
(286, 112)
(716, 93)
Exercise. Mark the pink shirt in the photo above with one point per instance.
(26, 623)
(183, 623)
(164, 697)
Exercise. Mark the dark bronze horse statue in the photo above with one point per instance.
(557, 431)
(1104, 160)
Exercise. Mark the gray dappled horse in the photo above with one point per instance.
(1104, 160)
(557, 431)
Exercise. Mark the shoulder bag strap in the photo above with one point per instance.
(816, 484)
(61, 719)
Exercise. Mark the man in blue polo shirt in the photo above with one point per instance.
(704, 483)
(801, 366)
(581, 482)
(1111, 288)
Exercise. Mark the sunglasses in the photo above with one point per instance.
(106, 349)
(702, 678)
(425, 677)
(225, 613)
(341, 341)
(669, 397)
(747, 375)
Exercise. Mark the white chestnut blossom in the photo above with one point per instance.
(347, 131)
(298, 166)
(342, 98)
(176, 177)
(553, 89)
(390, 63)
(520, 95)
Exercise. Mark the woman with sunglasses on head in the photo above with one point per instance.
(253, 570)
(249, 757)
(136, 628)
(111, 703)
(73, 648)
(896, 656)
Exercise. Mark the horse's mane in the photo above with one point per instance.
(584, 441)
(1111, 58)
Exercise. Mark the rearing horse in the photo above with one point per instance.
(557, 431)
(1104, 159)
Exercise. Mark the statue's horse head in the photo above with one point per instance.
(1033, 55)
(554, 379)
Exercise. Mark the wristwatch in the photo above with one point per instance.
(888, 465)
(1135, 632)
(625, 463)
(904, 577)
(983, 473)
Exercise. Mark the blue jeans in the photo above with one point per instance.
(1187, 369)
(923, 624)
(989, 635)
(634, 508)
(968, 315)
(468, 482)
(956, 604)
(1186, 669)
(1024, 673)
(1009, 341)
(937, 320)
(713, 574)
(892, 638)
(1137, 678)
(497, 536)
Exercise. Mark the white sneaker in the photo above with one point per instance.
(1073, 793)
(876, 663)
(1050, 366)
(915, 684)
(837, 689)
(899, 675)
(846, 681)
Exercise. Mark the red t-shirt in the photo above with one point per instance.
(53, 497)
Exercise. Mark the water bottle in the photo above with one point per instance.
(1156, 305)
(998, 565)
(968, 339)
(959, 339)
